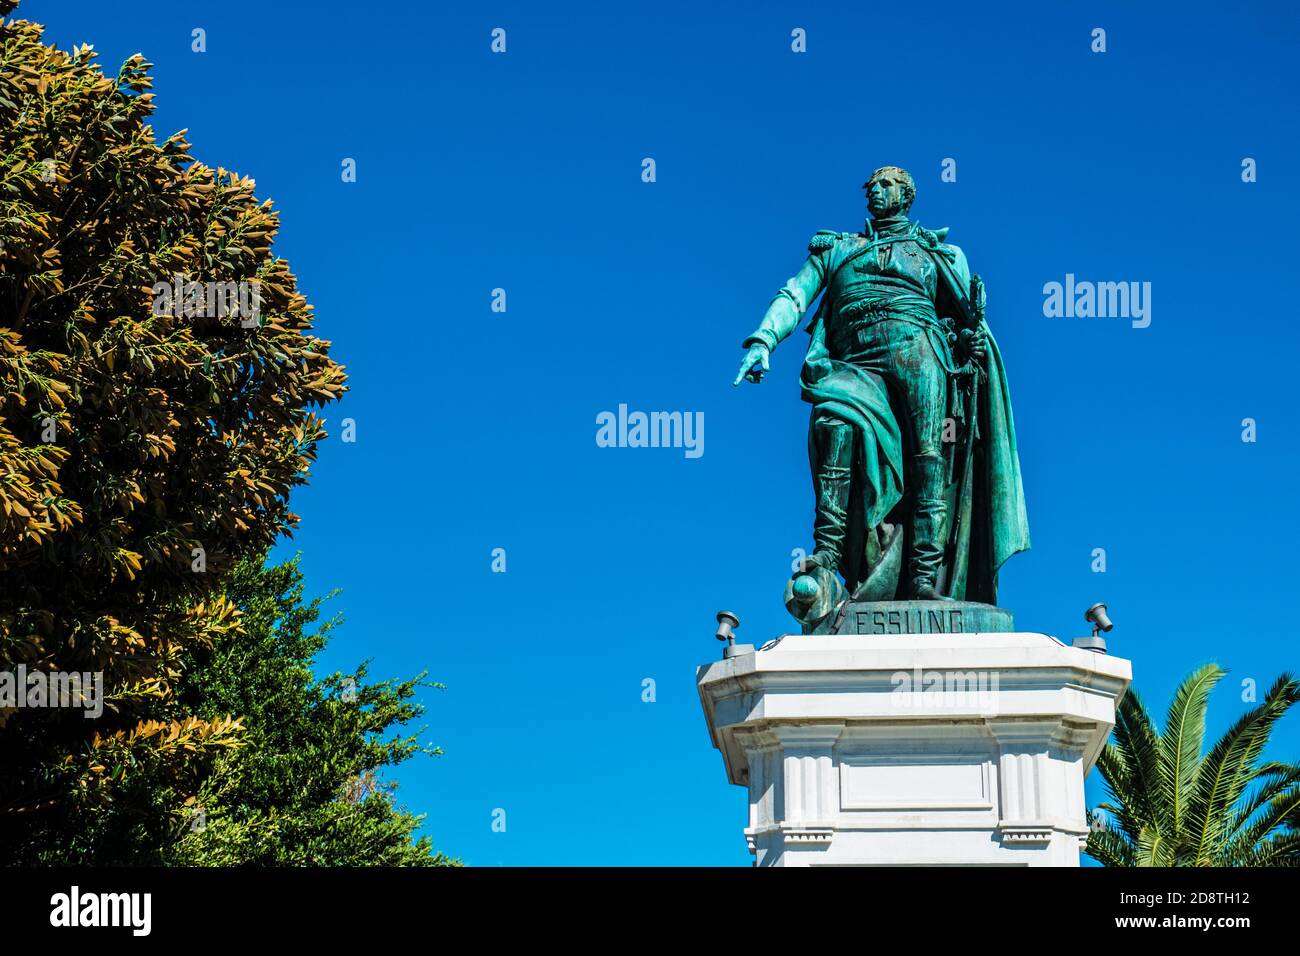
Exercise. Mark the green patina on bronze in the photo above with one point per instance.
(911, 441)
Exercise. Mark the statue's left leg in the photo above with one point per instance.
(927, 398)
(929, 525)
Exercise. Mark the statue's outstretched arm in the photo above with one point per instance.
(782, 317)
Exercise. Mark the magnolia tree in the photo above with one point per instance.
(157, 380)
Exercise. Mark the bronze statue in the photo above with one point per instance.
(911, 441)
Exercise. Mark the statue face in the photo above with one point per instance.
(886, 193)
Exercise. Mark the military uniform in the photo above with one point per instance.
(894, 296)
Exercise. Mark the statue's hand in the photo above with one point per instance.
(975, 342)
(753, 365)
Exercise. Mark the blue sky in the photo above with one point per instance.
(476, 430)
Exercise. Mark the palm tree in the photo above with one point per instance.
(1172, 806)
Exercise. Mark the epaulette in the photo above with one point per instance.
(933, 237)
(825, 238)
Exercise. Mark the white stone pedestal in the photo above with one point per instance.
(926, 750)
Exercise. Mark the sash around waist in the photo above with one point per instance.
(916, 310)
(871, 309)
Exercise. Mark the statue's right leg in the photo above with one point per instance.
(833, 441)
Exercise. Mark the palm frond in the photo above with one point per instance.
(1273, 816)
(1155, 848)
(1136, 739)
(1281, 850)
(1183, 737)
(1171, 806)
(1274, 778)
(1230, 766)
(1110, 847)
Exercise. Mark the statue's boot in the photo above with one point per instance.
(929, 526)
(831, 484)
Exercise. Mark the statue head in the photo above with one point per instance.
(890, 192)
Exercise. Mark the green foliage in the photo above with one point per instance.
(1172, 805)
(302, 786)
(135, 439)
(305, 790)
(132, 438)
